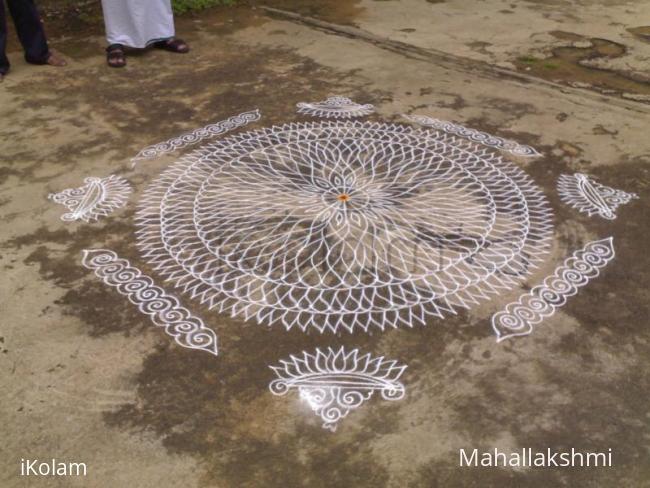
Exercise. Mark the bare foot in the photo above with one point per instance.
(55, 59)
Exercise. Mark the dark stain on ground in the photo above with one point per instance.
(102, 310)
(515, 110)
(99, 308)
(6, 173)
(567, 36)
(642, 32)
(479, 47)
(600, 130)
(452, 101)
(568, 65)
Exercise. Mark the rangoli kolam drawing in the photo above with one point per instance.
(343, 225)
(339, 225)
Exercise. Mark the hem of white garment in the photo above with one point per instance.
(131, 44)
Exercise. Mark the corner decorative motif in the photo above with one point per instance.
(518, 318)
(588, 196)
(335, 382)
(164, 309)
(335, 107)
(98, 197)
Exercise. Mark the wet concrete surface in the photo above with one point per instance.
(88, 378)
(570, 64)
(502, 33)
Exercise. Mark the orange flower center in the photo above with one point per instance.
(343, 197)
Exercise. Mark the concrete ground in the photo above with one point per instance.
(86, 377)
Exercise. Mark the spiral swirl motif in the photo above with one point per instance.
(279, 387)
(343, 225)
(196, 136)
(474, 135)
(334, 403)
(97, 198)
(335, 381)
(163, 309)
(588, 196)
(518, 318)
(336, 108)
(393, 392)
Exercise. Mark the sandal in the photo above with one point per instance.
(173, 45)
(115, 56)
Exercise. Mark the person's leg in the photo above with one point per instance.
(170, 43)
(4, 61)
(30, 30)
(117, 22)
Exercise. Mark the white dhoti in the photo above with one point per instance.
(137, 23)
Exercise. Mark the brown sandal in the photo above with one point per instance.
(115, 56)
(173, 45)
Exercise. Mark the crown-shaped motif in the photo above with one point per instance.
(588, 196)
(335, 107)
(97, 198)
(334, 382)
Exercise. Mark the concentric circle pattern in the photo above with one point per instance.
(343, 224)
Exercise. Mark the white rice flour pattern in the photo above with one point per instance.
(475, 136)
(164, 309)
(587, 196)
(335, 107)
(196, 136)
(518, 318)
(335, 382)
(343, 225)
(97, 198)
